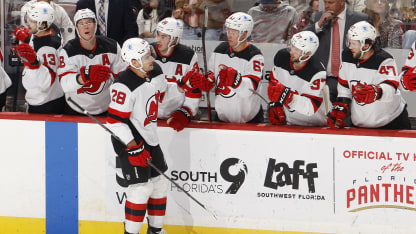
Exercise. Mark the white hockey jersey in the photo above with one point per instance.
(5, 81)
(307, 107)
(94, 98)
(380, 69)
(42, 84)
(174, 67)
(238, 105)
(132, 113)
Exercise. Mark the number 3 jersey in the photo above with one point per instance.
(93, 97)
(41, 84)
(380, 69)
(175, 66)
(132, 113)
(239, 105)
(307, 107)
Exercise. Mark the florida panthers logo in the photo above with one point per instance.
(92, 88)
(151, 109)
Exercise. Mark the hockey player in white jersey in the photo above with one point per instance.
(5, 82)
(39, 51)
(296, 83)
(236, 66)
(88, 66)
(180, 102)
(368, 85)
(132, 116)
(61, 19)
(408, 74)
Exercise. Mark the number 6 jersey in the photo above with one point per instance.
(239, 105)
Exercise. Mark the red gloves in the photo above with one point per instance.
(138, 155)
(277, 92)
(22, 34)
(95, 73)
(180, 118)
(193, 80)
(409, 79)
(337, 116)
(367, 94)
(229, 77)
(27, 55)
(276, 114)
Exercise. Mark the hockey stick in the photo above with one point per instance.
(148, 161)
(269, 104)
(325, 91)
(204, 56)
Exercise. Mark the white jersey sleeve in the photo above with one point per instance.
(308, 103)
(68, 71)
(122, 104)
(387, 73)
(5, 81)
(345, 74)
(192, 99)
(409, 64)
(41, 84)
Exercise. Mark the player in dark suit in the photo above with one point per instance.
(321, 24)
(121, 22)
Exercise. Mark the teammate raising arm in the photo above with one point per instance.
(132, 116)
(236, 67)
(368, 85)
(39, 48)
(88, 65)
(178, 62)
(296, 84)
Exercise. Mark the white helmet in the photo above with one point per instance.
(242, 22)
(172, 27)
(41, 12)
(135, 48)
(84, 14)
(306, 41)
(362, 31)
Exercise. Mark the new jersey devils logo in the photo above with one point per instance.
(151, 109)
(92, 88)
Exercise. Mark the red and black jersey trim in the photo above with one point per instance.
(115, 116)
(195, 93)
(52, 72)
(157, 206)
(316, 101)
(135, 212)
(254, 80)
(343, 82)
(393, 83)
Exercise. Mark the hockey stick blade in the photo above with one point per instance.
(148, 161)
